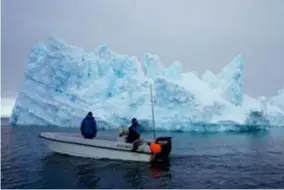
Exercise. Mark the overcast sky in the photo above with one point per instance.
(202, 34)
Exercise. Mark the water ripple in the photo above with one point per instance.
(211, 161)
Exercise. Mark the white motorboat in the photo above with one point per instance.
(105, 147)
(108, 147)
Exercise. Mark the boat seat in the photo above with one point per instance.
(108, 138)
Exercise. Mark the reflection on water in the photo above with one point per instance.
(90, 173)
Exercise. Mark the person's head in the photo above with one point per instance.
(134, 121)
(90, 114)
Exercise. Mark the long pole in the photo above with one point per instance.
(263, 105)
(153, 116)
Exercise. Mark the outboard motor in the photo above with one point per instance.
(166, 148)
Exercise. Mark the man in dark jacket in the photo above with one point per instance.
(89, 126)
(133, 131)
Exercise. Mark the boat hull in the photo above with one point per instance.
(95, 148)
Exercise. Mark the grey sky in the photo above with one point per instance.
(202, 34)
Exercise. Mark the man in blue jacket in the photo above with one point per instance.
(133, 131)
(89, 126)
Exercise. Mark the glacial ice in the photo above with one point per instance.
(62, 83)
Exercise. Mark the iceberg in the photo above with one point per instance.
(63, 82)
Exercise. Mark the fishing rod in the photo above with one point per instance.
(153, 115)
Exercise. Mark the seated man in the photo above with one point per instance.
(133, 131)
(89, 126)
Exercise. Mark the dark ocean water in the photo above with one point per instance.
(215, 160)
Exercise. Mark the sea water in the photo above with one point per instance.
(198, 160)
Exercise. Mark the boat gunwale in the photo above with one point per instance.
(91, 145)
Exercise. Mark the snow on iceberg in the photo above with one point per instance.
(62, 83)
